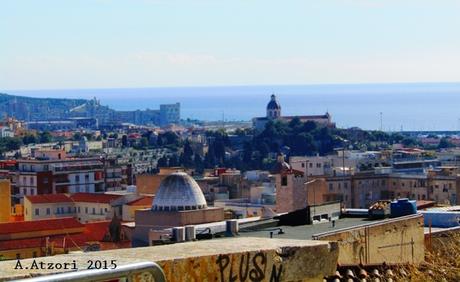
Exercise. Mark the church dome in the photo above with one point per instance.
(273, 104)
(177, 192)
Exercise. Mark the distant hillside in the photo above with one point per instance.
(33, 109)
(28, 108)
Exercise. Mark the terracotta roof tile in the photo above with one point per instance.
(94, 198)
(49, 198)
(96, 231)
(39, 225)
(144, 201)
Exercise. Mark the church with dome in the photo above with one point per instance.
(178, 202)
(274, 113)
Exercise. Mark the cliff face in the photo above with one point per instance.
(27, 108)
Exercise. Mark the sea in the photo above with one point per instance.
(390, 107)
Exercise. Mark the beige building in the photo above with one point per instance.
(130, 208)
(291, 188)
(148, 184)
(85, 207)
(311, 166)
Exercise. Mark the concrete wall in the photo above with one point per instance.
(147, 220)
(235, 259)
(399, 240)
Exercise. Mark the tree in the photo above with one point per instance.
(247, 152)
(10, 144)
(124, 141)
(187, 155)
(295, 125)
(144, 143)
(29, 139)
(76, 136)
(162, 162)
(198, 163)
(45, 137)
(309, 126)
(445, 143)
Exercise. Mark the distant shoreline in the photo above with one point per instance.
(405, 106)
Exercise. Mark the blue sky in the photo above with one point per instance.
(55, 44)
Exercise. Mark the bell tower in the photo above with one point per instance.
(273, 108)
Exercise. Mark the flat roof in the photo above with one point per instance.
(306, 232)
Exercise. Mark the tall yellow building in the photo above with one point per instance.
(5, 200)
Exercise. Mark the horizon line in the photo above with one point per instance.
(5, 91)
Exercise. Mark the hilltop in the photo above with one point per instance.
(28, 108)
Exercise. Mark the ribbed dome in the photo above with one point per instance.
(273, 104)
(178, 191)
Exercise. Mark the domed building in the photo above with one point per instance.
(178, 202)
(273, 108)
(179, 192)
(274, 113)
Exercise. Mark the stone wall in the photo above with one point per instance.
(393, 241)
(233, 259)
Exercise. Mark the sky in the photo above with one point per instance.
(56, 44)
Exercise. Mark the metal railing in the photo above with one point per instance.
(144, 271)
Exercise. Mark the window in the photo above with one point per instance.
(331, 186)
(86, 209)
(303, 165)
(94, 210)
(87, 177)
(48, 211)
(318, 165)
(284, 181)
(77, 178)
(31, 180)
(69, 209)
(24, 191)
(345, 185)
(106, 210)
(310, 165)
(37, 211)
(102, 211)
(79, 210)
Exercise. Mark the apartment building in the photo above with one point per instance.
(37, 176)
(116, 174)
(311, 166)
